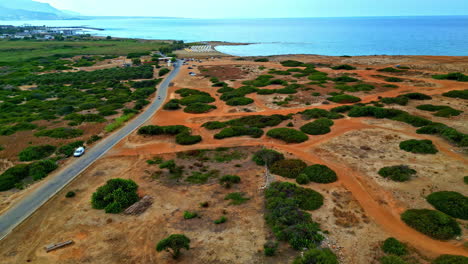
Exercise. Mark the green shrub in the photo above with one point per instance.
(452, 203)
(393, 79)
(236, 198)
(198, 177)
(258, 121)
(67, 150)
(355, 88)
(392, 260)
(196, 98)
(418, 146)
(344, 67)
(267, 157)
(172, 105)
(36, 152)
(319, 77)
(199, 108)
(70, 194)
(454, 76)
(292, 63)
(448, 112)
(302, 179)
(450, 259)
(289, 168)
(61, 132)
(10, 130)
(118, 122)
(175, 243)
(40, 169)
(319, 113)
(153, 130)
(163, 71)
(12, 176)
(344, 99)
(389, 69)
(446, 132)
(269, 248)
(288, 135)
(236, 131)
(228, 180)
(239, 101)
(400, 100)
(320, 174)
(214, 125)
(185, 138)
(417, 96)
(432, 223)
(285, 203)
(317, 256)
(465, 179)
(393, 246)
(344, 79)
(462, 94)
(342, 109)
(190, 215)
(115, 196)
(398, 173)
(262, 60)
(221, 220)
(318, 127)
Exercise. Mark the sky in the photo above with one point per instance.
(262, 8)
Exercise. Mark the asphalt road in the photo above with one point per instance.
(28, 205)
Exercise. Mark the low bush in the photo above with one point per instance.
(292, 63)
(389, 69)
(285, 203)
(320, 174)
(61, 132)
(462, 94)
(196, 98)
(259, 121)
(399, 173)
(10, 130)
(393, 79)
(288, 135)
(237, 131)
(269, 248)
(450, 259)
(345, 79)
(344, 67)
(118, 122)
(153, 130)
(198, 177)
(163, 71)
(68, 149)
(239, 101)
(318, 127)
(214, 125)
(342, 109)
(454, 76)
(432, 223)
(317, 256)
(228, 180)
(15, 175)
(302, 179)
(70, 194)
(289, 168)
(199, 108)
(392, 260)
(393, 246)
(452, 203)
(221, 220)
(441, 110)
(236, 198)
(446, 132)
(115, 196)
(172, 105)
(417, 96)
(36, 152)
(418, 146)
(355, 88)
(344, 99)
(400, 100)
(185, 138)
(189, 215)
(267, 157)
(262, 60)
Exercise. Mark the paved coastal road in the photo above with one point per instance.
(28, 205)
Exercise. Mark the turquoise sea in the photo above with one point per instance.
(442, 35)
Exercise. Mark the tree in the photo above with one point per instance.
(173, 244)
(267, 157)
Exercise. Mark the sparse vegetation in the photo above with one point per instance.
(236, 198)
(220, 220)
(228, 180)
(269, 248)
(189, 215)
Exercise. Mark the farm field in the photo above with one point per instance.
(330, 152)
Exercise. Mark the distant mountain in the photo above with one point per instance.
(31, 10)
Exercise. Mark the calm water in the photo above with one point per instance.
(325, 36)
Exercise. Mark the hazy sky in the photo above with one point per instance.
(262, 8)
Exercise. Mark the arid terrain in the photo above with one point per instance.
(361, 209)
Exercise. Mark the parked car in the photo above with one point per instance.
(79, 152)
